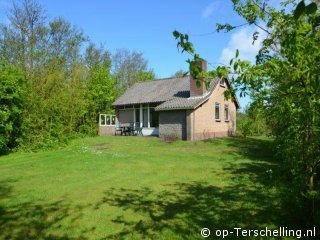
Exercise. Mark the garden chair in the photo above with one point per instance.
(137, 129)
(118, 129)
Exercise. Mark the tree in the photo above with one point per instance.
(179, 73)
(66, 89)
(252, 121)
(285, 79)
(12, 90)
(100, 86)
(130, 67)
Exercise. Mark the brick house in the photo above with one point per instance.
(177, 108)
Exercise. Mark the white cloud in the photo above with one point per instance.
(242, 40)
(209, 9)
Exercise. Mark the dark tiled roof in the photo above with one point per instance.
(170, 93)
(181, 103)
(157, 91)
(189, 102)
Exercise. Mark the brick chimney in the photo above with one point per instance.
(194, 89)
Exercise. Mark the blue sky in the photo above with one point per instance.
(147, 26)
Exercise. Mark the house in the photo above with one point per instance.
(177, 108)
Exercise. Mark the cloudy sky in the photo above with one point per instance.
(147, 26)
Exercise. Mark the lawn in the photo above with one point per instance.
(141, 188)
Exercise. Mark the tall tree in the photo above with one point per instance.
(100, 86)
(12, 91)
(130, 67)
(286, 79)
(179, 73)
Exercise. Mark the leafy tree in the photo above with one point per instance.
(100, 86)
(252, 121)
(66, 88)
(179, 73)
(285, 79)
(130, 67)
(12, 90)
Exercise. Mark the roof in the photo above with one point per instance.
(170, 93)
(157, 91)
(189, 102)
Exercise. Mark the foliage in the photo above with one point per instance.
(100, 87)
(252, 121)
(130, 67)
(12, 91)
(68, 83)
(180, 73)
(286, 80)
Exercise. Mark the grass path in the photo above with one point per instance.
(140, 188)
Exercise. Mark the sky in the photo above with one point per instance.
(147, 26)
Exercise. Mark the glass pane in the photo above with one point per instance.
(137, 115)
(154, 118)
(145, 117)
(226, 112)
(102, 119)
(217, 111)
(113, 120)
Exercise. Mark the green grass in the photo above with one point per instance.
(141, 188)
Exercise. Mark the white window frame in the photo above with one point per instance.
(226, 117)
(215, 108)
(106, 122)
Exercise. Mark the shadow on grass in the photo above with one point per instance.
(254, 200)
(256, 149)
(182, 212)
(33, 220)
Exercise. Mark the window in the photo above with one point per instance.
(222, 82)
(217, 111)
(145, 117)
(137, 113)
(107, 120)
(154, 118)
(226, 112)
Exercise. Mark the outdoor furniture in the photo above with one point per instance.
(133, 129)
(127, 130)
(136, 129)
(118, 129)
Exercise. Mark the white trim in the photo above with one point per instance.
(105, 120)
(215, 106)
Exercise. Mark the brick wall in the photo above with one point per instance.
(172, 124)
(203, 118)
(198, 90)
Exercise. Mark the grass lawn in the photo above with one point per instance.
(141, 188)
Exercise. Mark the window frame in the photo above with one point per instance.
(215, 112)
(226, 116)
(107, 120)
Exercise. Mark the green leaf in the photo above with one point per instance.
(176, 34)
(237, 53)
(299, 10)
(311, 8)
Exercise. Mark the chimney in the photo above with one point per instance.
(196, 90)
